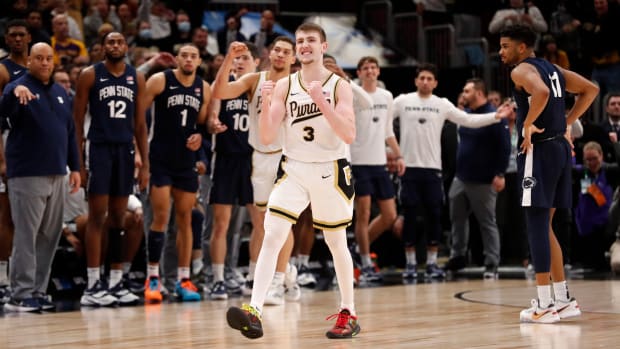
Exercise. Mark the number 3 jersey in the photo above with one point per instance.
(308, 137)
(112, 105)
(233, 114)
(175, 111)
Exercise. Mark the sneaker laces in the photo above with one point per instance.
(342, 318)
(188, 285)
(250, 309)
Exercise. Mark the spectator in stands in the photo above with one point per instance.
(266, 34)
(75, 30)
(95, 53)
(62, 44)
(481, 162)
(597, 181)
(549, 50)
(100, 12)
(182, 31)
(41, 145)
(230, 32)
(35, 24)
(161, 21)
(61, 77)
(518, 13)
(495, 98)
(607, 133)
(611, 126)
(128, 21)
(565, 28)
(600, 41)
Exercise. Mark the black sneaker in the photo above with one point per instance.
(490, 272)
(133, 285)
(246, 319)
(24, 305)
(5, 294)
(433, 271)
(45, 301)
(456, 263)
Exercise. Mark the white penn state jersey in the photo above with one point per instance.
(308, 137)
(254, 109)
(421, 123)
(373, 126)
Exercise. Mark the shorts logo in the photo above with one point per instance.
(529, 182)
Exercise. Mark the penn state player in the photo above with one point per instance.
(265, 158)
(180, 103)
(231, 165)
(111, 90)
(374, 127)
(544, 163)
(315, 108)
(17, 38)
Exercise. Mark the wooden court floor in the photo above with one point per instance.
(463, 314)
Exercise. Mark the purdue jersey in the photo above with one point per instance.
(308, 137)
(112, 105)
(175, 111)
(254, 110)
(233, 114)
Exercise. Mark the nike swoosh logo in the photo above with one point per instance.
(103, 80)
(174, 87)
(536, 316)
(17, 72)
(326, 176)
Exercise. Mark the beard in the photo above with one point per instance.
(114, 59)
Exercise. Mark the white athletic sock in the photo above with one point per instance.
(152, 270)
(197, 266)
(182, 273)
(560, 290)
(4, 275)
(218, 272)
(116, 275)
(126, 268)
(93, 275)
(366, 260)
(411, 257)
(303, 259)
(431, 257)
(278, 278)
(544, 296)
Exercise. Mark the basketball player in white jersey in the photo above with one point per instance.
(265, 158)
(315, 107)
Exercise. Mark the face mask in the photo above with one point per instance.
(184, 27)
(145, 33)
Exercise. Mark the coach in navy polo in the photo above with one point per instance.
(39, 148)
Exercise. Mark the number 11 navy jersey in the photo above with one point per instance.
(112, 105)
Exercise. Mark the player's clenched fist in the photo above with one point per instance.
(316, 91)
(237, 48)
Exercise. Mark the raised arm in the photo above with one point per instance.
(341, 117)
(206, 98)
(585, 92)
(140, 132)
(273, 109)
(224, 89)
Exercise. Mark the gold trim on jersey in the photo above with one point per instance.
(261, 206)
(283, 213)
(335, 97)
(301, 83)
(288, 91)
(331, 226)
(255, 86)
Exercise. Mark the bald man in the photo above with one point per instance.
(40, 147)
